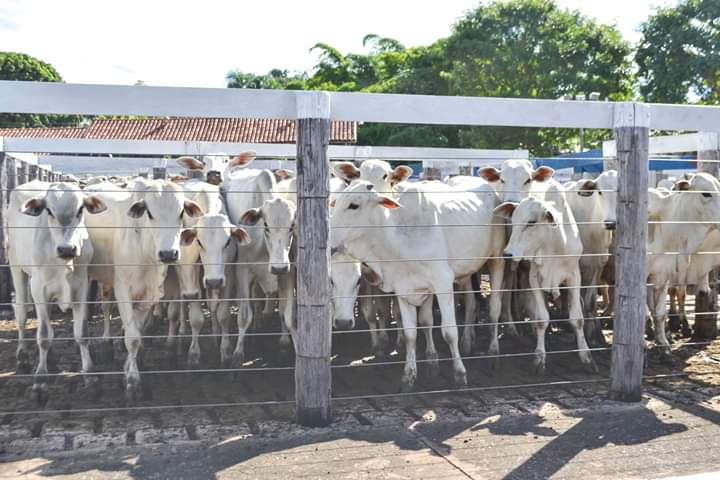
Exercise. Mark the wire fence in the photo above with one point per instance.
(263, 366)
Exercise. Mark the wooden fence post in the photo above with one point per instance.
(24, 173)
(312, 350)
(632, 138)
(706, 307)
(5, 289)
(32, 172)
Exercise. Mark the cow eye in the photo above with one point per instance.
(502, 181)
(531, 223)
(80, 210)
(527, 181)
(599, 193)
(385, 177)
(707, 195)
(50, 214)
(199, 244)
(353, 206)
(227, 244)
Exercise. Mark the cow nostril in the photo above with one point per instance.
(610, 225)
(279, 269)
(507, 255)
(67, 251)
(168, 256)
(214, 283)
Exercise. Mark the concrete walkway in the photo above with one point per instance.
(589, 439)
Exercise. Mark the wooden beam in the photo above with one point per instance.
(312, 349)
(632, 122)
(5, 282)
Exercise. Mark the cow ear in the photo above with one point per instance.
(137, 209)
(251, 217)
(505, 210)
(191, 163)
(587, 188)
(332, 202)
(193, 209)
(549, 217)
(94, 204)
(543, 173)
(177, 178)
(187, 237)
(388, 202)
(346, 171)
(682, 185)
(284, 173)
(491, 174)
(400, 174)
(33, 206)
(370, 275)
(241, 235)
(242, 160)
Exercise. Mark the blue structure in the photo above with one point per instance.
(592, 161)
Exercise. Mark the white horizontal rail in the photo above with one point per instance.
(153, 147)
(63, 98)
(671, 144)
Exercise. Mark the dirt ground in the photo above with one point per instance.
(513, 424)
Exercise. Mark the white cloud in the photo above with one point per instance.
(191, 43)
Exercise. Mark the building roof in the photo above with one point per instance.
(233, 130)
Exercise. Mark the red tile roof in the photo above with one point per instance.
(238, 130)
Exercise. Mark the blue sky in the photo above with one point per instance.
(194, 43)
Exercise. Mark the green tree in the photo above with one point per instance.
(679, 55)
(275, 79)
(19, 66)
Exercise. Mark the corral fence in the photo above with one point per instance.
(631, 123)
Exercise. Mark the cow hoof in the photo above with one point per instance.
(592, 366)
(433, 368)
(665, 357)
(193, 361)
(407, 384)
(133, 393)
(494, 364)
(23, 366)
(539, 367)
(40, 394)
(237, 360)
(460, 379)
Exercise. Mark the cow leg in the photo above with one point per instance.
(497, 272)
(681, 299)
(450, 332)
(507, 295)
(425, 321)
(44, 339)
(409, 323)
(542, 319)
(20, 282)
(80, 326)
(195, 315)
(468, 335)
(577, 321)
(661, 341)
(286, 292)
(384, 314)
(369, 313)
(224, 316)
(400, 340)
(244, 316)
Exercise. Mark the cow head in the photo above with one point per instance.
(378, 172)
(215, 165)
(278, 221)
(217, 240)
(514, 182)
(358, 205)
(63, 207)
(159, 207)
(605, 187)
(532, 221)
(346, 276)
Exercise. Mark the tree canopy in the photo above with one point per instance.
(514, 48)
(679, 56)
(19, 66)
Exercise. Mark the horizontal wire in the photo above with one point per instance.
(161, 301)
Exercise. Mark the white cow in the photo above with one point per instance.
(542, 228)
(216, 167)
(415, 233)
(696, 200)
(377, 172)
(48, 244)
(593, 203)
(140, 237)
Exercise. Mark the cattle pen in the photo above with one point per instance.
(331, 374)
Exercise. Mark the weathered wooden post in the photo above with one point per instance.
(632, 138)
(706, 307)
(4, 270)
(312, 351)
(23, 173)
(159, 171)
(32, 172)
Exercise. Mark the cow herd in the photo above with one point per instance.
(223, 241)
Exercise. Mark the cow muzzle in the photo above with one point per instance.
(67, 252)
(214, 283)
(344, 323)
(279, 269)
(610, 225)
(214, 177)
(169, 256)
